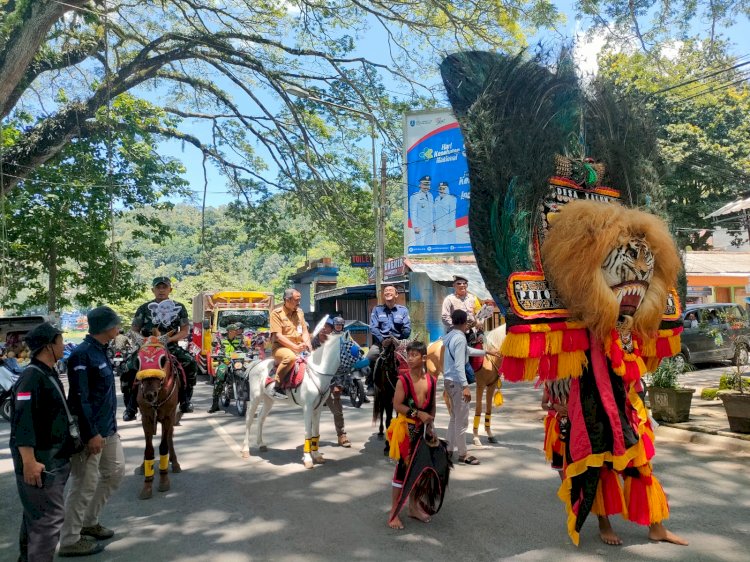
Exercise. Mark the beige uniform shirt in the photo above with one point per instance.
(468, 303)
(289, 324)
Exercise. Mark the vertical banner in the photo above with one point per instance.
(437, 185)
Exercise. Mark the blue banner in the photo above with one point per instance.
(437, 178)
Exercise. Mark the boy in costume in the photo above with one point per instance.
(423, 477)
(583, 281)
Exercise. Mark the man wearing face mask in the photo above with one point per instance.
(40, 445)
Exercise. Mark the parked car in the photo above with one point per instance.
(715, 332)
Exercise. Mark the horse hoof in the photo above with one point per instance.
(477, 442)
(245, 454)
(308, 464)
(263, 449)
(164, 485)
(145, 494)
(176, 467)
(319, 460)
(492, 439)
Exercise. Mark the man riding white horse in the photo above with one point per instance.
(289, 338)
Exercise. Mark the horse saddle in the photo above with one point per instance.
(293, 379)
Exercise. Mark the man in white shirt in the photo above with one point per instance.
(421, 213)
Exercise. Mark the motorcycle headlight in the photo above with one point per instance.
(238, 365)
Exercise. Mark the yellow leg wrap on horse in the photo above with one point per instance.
(476, 422)
(307, 445)
(148, 468)
(163, 462)
(315, 441)
(487, 418)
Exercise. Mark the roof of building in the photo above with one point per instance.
(356, 292)
(444, 272)
(717, 263)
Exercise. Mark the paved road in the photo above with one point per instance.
(223, 508)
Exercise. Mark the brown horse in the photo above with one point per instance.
(487, 378)
(159, 379)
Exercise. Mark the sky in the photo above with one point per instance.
(585, 53)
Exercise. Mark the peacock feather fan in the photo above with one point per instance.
(519, 118)
(515, 115)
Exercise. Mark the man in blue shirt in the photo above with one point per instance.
(97, 471)
(457, 386)
(388, 321)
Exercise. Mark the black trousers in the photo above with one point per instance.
(43, 514)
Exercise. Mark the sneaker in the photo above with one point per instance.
(370, 391)
(98, 532)
(213, 408)
(279, 394)
(344, 441)
(186, 408)
(128, 416)
(84, 547)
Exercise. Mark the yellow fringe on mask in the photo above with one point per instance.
(571, 365)
(515, 345)
(397, 432)
(163, 462)
(554, 342)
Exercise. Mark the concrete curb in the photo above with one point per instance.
(724, 440)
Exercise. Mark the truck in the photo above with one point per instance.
(213, 311)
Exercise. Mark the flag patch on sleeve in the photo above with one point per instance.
(23, 396)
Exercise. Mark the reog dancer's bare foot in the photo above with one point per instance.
(396, 523)
(416, 512)
(658, 532)
(607, 533)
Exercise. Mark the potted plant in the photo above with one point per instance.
(737, 402)
(669, 402)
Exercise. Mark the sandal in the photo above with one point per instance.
(344, 441)
(472, 460)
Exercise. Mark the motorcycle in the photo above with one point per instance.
(353, 384)
(236, 382)
(7, 379)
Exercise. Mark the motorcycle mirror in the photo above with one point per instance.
(319, 325)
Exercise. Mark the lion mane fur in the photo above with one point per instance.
(580, 237)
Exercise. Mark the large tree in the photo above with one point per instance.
(700, 104)
(226, 67)
(60, 223)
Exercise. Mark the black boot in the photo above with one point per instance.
(185, 406)
(214, 405)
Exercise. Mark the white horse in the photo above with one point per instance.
(322, 365)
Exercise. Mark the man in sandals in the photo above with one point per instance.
(456, 385)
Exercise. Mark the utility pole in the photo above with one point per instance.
(381, 218)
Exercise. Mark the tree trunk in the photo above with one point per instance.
(34, 21)
(52, 286)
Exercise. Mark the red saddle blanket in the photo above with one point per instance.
(294, 379)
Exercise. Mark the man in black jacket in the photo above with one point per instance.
(97, 471)
(40, 445)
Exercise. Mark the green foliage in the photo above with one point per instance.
(59, 224)
(730, 381)
(666, 375)
(703, 139)
(709, 393)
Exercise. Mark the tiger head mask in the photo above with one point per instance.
(609, 263)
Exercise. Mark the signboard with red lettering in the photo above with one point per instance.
(361, 260)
